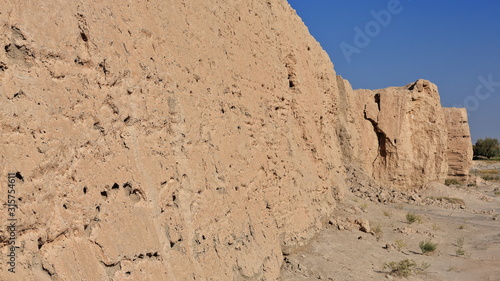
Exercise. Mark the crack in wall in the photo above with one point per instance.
(383, 140)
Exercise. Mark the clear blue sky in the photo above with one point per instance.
(450, 43)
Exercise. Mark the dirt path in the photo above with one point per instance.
(464, 221)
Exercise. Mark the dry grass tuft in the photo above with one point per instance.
(411, 218)
(405, 268)
(427, 246)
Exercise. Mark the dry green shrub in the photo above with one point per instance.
(364, 207)
(400, 244)
(427, 246)
(411, 218)
(449, 182)
(405, 268)
(490, 178)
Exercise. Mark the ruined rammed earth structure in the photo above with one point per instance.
(190, 140)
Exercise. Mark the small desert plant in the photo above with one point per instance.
(411, 218)
(405, 267)
(424, 266)
(377, 231)
(452, 200)
(363, 207)
(388, 214)
(489, 172)
(451, 182)
(461, 226)
(460, 244)
(436, 227)
(400, 244)
(490, 178)
(427, 246)
(451, 268)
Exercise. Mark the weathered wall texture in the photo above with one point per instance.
(165, 140)
(187, 140)
(399, 133)
(459, 143)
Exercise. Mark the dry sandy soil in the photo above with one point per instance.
(467, 233)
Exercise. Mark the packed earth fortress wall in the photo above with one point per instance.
(186, 140)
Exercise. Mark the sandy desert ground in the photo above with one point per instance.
(463, 220)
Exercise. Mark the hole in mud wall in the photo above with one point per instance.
(150, 255)
(135, 195)
(173, 203)
(290, 63)
(78, 61)
(19, 94)
(19, 176)
(127, 188)
(40, 243)
(84, 36)
(377, 100)
(382, 142)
